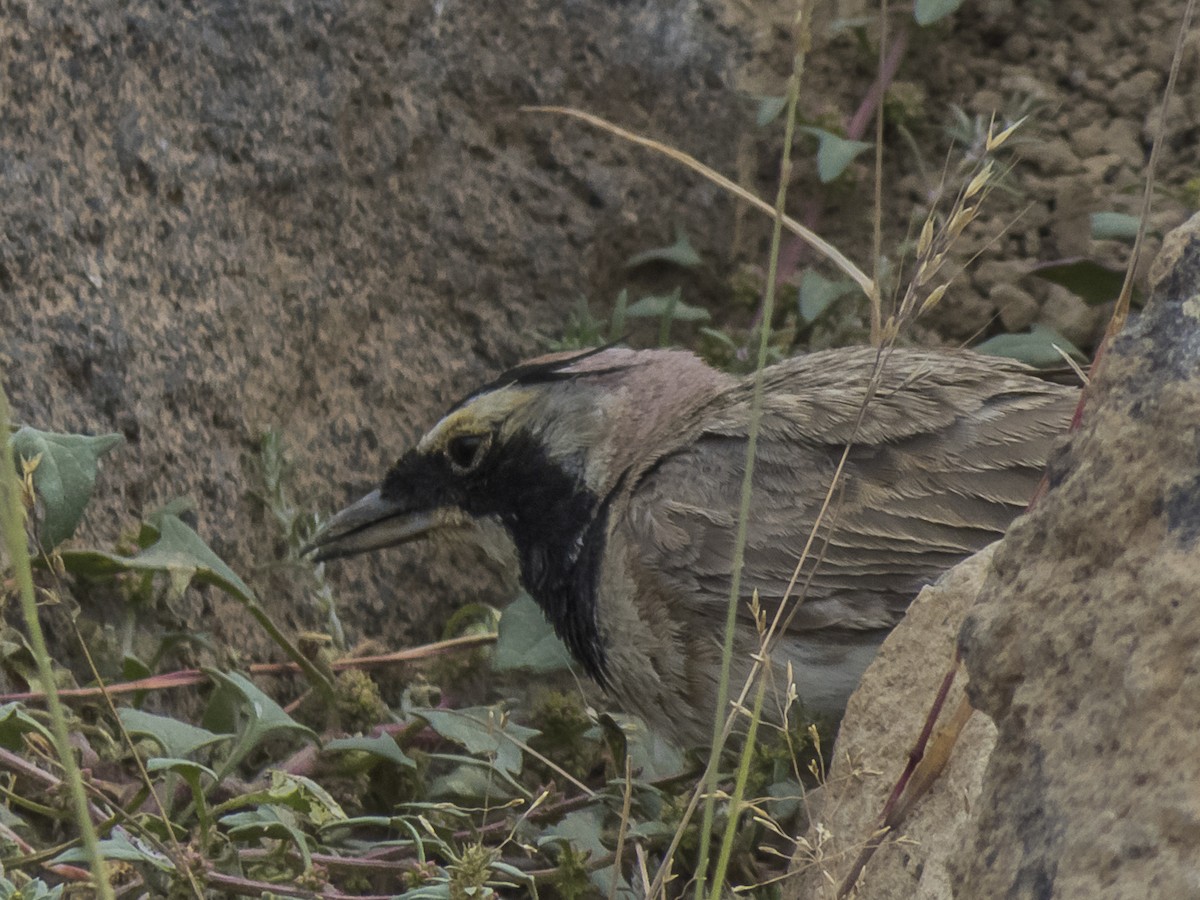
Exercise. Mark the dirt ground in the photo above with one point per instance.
(332, 219)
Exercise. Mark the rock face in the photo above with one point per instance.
(1085, 644)
(882, 722)
(326, 218)
(1083, 648)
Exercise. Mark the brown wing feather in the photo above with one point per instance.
(950, 450)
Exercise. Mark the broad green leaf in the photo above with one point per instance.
(680, 253)
(306, 797)
(817, 293)
(482, 730)
(657, 305)
(121, 847)
(1092, 282)
(174, 508)
(471, 784)
(275, 822)
(177, 739)
(926, 12)
(1035, 348)
(527, 641)
(651, 829)
(179, 552)
(238, 706)
(15, 723)
(189, 769)
(65, 475)
(785, 797)
(650, 753)
(834, 153)
(179, 547)
(1111, 226)
(192, 773)
(582, 829)
(769, 109)
(133, 669)
(381, 745)
(19, 659)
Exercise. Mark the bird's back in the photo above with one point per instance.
(949, 449)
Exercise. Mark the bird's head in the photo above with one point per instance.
(527, 459)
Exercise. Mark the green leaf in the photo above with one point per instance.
(133, 669)
(1036, 348)
(31, 890)
(527, 641)
(15, 723)
(177, 739)
(658, 305)
(582, 830)
(769, 109)
(680, 253)
(273, 822)
(179, 552)
(189, 769)
(65, 476)
(1111, 226)
(817, 293)
(834, 153)
(381, 745)
(784, 799)
(650, 753)
(926, 12)
(428, 892)
(238, 706)
(306, 797)
(720, 337)
(121, 847)
(482, 730)
(471, 782)
(651, 830)
(1092, 282)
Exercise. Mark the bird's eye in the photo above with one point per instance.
(465, 450)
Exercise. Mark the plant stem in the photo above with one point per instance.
(756, 404)
(12, 522)
(739, 791)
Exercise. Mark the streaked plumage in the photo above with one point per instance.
(612, 480)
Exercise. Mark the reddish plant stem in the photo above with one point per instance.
(187, 677)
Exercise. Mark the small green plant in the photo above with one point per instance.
(431, 801)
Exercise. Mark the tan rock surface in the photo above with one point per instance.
(1085, 645)
(882, 723)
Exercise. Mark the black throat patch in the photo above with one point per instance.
(558, 525)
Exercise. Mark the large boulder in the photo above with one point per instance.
(1084, 647)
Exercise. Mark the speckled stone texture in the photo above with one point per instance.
(1085, 644)
(882, 722)
(327, 218)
